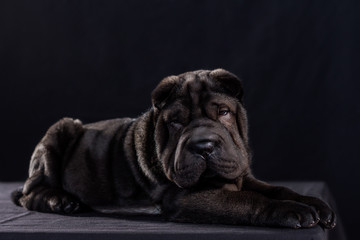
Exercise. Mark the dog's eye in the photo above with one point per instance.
(223, 111)
(176, 125)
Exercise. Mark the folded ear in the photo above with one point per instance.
(162, 92)
(230, 83)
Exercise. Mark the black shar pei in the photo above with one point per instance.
(188, 155)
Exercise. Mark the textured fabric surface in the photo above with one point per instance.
(18, 223)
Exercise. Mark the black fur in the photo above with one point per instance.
(189, 155)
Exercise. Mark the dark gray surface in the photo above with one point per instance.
(18, 223)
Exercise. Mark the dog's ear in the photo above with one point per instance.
(229, 83)
(162, 92)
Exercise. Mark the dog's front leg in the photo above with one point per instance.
(236, 207)
(327, 217)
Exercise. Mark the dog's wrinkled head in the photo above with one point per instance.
(201, 127)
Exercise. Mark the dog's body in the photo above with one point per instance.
(188, 154)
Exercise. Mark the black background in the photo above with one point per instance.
(96, 60)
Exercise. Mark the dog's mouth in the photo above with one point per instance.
(203, 156)
(216, 165)
(197, 168)
(210, 171)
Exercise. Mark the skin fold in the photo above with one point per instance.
(188, 154)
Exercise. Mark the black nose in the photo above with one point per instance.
(203, 148)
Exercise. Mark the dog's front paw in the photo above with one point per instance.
(289, 214)
(327, 216)
(63, 203)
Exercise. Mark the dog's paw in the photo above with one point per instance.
(290, 214)
(63, 203)
(327, 216)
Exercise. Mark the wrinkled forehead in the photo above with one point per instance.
(196, 89)
(195, 85)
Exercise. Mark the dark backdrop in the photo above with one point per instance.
(96, 60)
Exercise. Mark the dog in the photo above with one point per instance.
(188, 155)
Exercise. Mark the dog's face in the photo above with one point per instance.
(201, 127)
